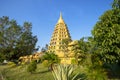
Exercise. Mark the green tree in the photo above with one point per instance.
(106, 35)
(15, 40)
(81, 48)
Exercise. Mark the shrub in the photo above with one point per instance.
(45, 63)
(73, 61)
(11, 64)
(97, 74)
(32, 67)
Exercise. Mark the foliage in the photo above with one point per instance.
(113, 70)
(92, 71)
(20, 73)
(64, 46)
(116, 4)
(32, 67)
(73, 61)
(44, 49)
(84, 44)
(106, 43)
(106, 35)
(64, 72)
(51, 57)
(66, 41)
(96, 73)
(95, 70)
(81, 48)
(11, 64)
(15, 40)
(45, 63)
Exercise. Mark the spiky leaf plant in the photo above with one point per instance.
(64, 72)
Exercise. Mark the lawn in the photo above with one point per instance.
(42, 73)
(20, 73)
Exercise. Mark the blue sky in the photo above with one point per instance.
(79, 15)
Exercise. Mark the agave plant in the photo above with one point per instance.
(64, 72)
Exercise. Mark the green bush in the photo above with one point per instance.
(45, 63)
(32, 67)
(73, 61)
(96, 72)
(11, 64)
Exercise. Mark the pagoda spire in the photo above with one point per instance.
(60, 33)
(60, 18)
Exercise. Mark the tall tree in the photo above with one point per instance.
(15, 40)
(106, 35)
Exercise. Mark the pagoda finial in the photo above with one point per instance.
(61, 15)
(60, 19)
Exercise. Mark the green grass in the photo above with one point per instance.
(20, 73)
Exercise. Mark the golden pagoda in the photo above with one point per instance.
(60, 33)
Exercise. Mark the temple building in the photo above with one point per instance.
(56, 45)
